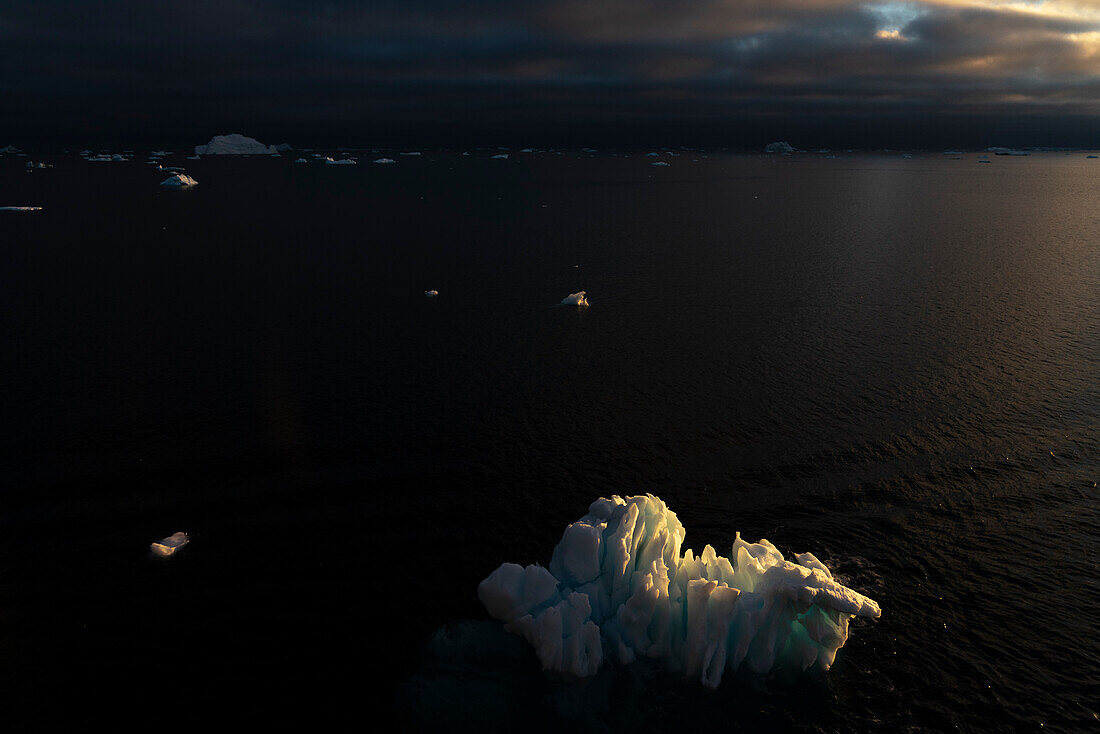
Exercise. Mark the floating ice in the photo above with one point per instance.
(618, 586)
(658, 163)
(501, 155)
(167, 547)
(383, 160)
(415, 152)
(781, 147)
(432, 293)
(341, 162)
(301, 160)
(575, 299)
(20, 208)
(179, 181)
(234, 144)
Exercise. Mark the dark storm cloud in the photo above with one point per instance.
(184, 68)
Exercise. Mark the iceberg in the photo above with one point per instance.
(658, 163)
(167, 547)
(781, 147)
(501, 156)
(341, 162)
(575, 299)
(383, 160)
(234, 144)
(618, 587)
(179, 181)
(301, 160)
(432, 293)
(20, 208)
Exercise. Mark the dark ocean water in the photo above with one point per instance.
(894, 364)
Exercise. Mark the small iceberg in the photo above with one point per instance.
(179, 181)
(618, 586)
(383, 160)
(167, 547)
(502, 156)
(782, 147)
(432, 293)
(658, 163)
(341, 162)
(301, 160)
(575, 299)
(415, 152)
(20, 208)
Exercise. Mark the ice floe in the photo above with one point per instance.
(501, 156)
(618, 587)
(575, 299)
(780, 147)
(341, 162)
(167, 547)
(383, 160)
(658, 163)
(432, 293)
(20, 208)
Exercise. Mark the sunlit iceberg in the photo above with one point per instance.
(168, 547)
(575, 299)
(20, 208)
(179, 181)
(431, 293)
(618, 587)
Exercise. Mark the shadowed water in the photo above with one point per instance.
(889, 363)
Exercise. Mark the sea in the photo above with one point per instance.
(890, 361)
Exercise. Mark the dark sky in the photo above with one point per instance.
(736, 73)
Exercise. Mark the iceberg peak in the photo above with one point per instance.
(575, 299)
(618, 586)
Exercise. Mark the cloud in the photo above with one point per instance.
(494, 61)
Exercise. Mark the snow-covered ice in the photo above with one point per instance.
(167, 547)
(341, 162)
(234, 144)
(20, 208)
(575, 299)
(179, 181)
(619, 587)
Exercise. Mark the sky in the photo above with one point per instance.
(735, 73)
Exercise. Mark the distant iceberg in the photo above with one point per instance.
(432, 293)
(383, 160)
(781, 147)
(500, 155)
(617, 586)
(575, 299)
(234, 144)
(168, 547)
(341, 162)
(179, 181)
(20, 208)
(301, 160)
(658, 163)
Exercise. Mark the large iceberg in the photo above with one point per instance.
(234, 144)
(618, 587)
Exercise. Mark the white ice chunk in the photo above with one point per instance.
(415, 152)
(575, 299)
(500, 155)
(301, 160)
(432, 293)
(179, 181)
(168, 546)
(781, 147)
(234, 144)
(658, 163)
(20, 208)
(618, 585)
(383, 160)
(341, 162)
